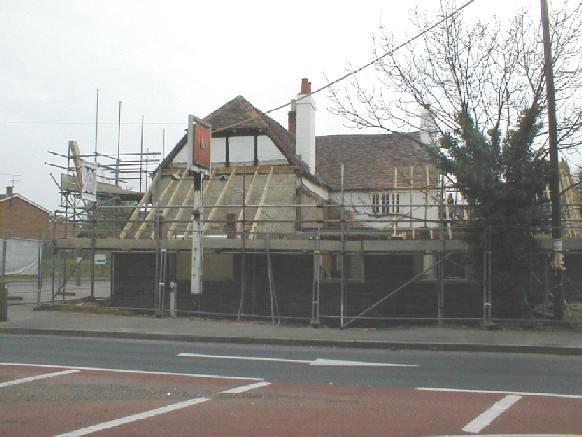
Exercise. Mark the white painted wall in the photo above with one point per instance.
(414, 209)
(241, 149)
(305, 130)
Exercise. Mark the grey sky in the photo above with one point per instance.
(165, 60)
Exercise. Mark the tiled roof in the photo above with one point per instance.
(7, 197)
(369, 160)
(236, 114)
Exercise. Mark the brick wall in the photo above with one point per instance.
(20, 219)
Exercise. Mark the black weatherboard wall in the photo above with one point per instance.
(134, 286)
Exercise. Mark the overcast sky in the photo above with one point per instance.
(165, 60)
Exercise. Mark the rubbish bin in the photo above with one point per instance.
(3, 302)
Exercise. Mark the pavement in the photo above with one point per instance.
(26, 319)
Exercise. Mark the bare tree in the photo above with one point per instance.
(481, 86)
(492, 70)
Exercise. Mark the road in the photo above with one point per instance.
(271, 390)
(463, 370)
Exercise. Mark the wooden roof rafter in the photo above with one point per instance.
(260, 208)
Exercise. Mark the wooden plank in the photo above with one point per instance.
(153, 211)
(220, 199)
(260, 208)
(247, 199)
(185, 210)
(135, 212)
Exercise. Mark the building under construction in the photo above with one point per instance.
(291, 225)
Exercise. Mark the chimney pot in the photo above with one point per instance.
(305, 86)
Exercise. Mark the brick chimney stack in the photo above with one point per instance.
(305, 86)
(292, 117)
(9, 191)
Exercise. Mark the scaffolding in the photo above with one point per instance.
(100, 204)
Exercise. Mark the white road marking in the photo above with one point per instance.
(495, 392)
(316, 362)
(326, 362)
(36, 378)
(488, 416)
(510, 435)
(141, 372)
(133, 418)
(245, 388)
(228, 357)
(138, 416)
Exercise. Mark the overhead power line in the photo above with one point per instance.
(363, 67)
(92, 123)
(288, 103)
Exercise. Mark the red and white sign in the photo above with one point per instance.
(198, 145)
(202, 138)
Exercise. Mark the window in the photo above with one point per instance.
(385, 203)
(380, 203)
(395, 203)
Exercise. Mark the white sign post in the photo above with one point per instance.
(197, 250)
(198, 150)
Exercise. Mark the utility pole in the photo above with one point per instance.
(96, 124)
(554, 168)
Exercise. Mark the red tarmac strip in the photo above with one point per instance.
(109, 403)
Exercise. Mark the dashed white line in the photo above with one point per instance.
(133, 418)
(37, 377)
(232, 357)
(492, 413)
(498, 392)
(245, 388)
(316, 362)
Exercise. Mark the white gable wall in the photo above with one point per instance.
(241, 149)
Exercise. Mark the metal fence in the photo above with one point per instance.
(35, 272)
(324, 269)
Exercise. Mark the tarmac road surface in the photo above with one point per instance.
(87, 386)
(68, 401)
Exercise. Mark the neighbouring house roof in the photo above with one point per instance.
(370, 160)
(6, 197)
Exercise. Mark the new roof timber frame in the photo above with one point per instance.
(152, 211)
(183, 211)
(247, 197)
(173, 193)
(141, 204)
(180, 215)
(190, 227)
(260, 208)
(220, 199)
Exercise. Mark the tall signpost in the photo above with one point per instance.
(198, 148)
(554, 168)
